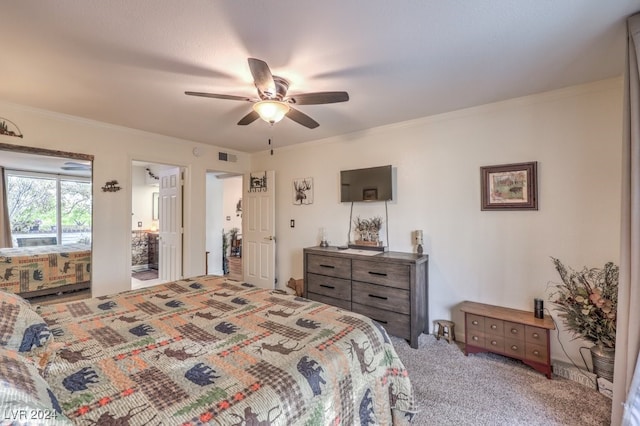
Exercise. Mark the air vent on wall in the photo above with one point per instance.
(223, 156)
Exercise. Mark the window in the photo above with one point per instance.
(48, 209)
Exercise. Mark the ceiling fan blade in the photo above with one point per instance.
(74, 168)
(217, 96)
(248, 119)
(302, 118)
(319, 98)
(262, 77)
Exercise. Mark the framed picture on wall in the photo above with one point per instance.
(509, 187)
(303, 191)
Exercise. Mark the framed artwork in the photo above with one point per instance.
(303, 191)
(509, 187)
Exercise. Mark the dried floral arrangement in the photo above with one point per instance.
(587, 301)
(368, 229)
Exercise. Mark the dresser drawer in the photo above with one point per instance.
(396, 324)
(338, 288)
(474, 323)
(536, 335)
(381, 297)
(389, 274)
(537, 353)
(514, 348)
(340, 303)
(494, 343)
(493, 326)
(514, 331)
(331, 266)
(475, 338)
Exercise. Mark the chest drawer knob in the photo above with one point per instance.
(493, 326)
(514, 347)
(474, 322)
(494, 343)
(536, 352)
(514, 331)
(536, 336)
(475, 338)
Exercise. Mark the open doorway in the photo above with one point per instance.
(147, 224)
(224, 225)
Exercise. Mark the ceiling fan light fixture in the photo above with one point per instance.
(271, 111)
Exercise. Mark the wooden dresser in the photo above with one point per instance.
(389, 287)
(510, 332)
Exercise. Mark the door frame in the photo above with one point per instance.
(220, 174)
(186, 191)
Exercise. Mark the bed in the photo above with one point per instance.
(41, 270)
(208, 350)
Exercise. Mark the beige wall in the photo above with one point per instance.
(493, 257)
(497, 257)
(141, 199)
(114, 148)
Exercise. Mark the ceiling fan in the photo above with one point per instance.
(72, 165)
(272, 103)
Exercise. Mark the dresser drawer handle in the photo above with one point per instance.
(379, 274)
(494, 343)
(475, 338)
(536, 335)
(514, 347)
(378, 297)
(536, 352)
(380, 321)
(328, 266)
(327, 286)
(474, 322)
(493, 326)
(514, 331)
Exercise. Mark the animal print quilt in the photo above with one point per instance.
(27, 269)
(207, 350)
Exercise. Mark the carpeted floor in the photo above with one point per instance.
(487, 389)
(147, 274)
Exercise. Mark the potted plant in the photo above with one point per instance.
(587, 301)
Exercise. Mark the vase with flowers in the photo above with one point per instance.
(587, 301)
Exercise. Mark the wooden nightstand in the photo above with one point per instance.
(509, 332)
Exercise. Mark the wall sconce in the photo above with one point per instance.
(417, 235)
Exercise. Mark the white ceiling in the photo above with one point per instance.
(129, 62)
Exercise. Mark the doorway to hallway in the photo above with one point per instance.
(224, 225)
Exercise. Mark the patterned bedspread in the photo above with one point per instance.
(25, 269)
(208, 350)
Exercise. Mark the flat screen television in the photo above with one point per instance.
(370, 184)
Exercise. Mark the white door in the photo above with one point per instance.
(170, 250)
(258, 229)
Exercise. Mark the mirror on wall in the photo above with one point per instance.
(49, 200)
(155, 205)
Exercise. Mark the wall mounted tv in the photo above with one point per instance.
(370, 184)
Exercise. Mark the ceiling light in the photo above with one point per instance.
(271, 111)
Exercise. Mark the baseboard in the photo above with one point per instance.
(571, 372)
